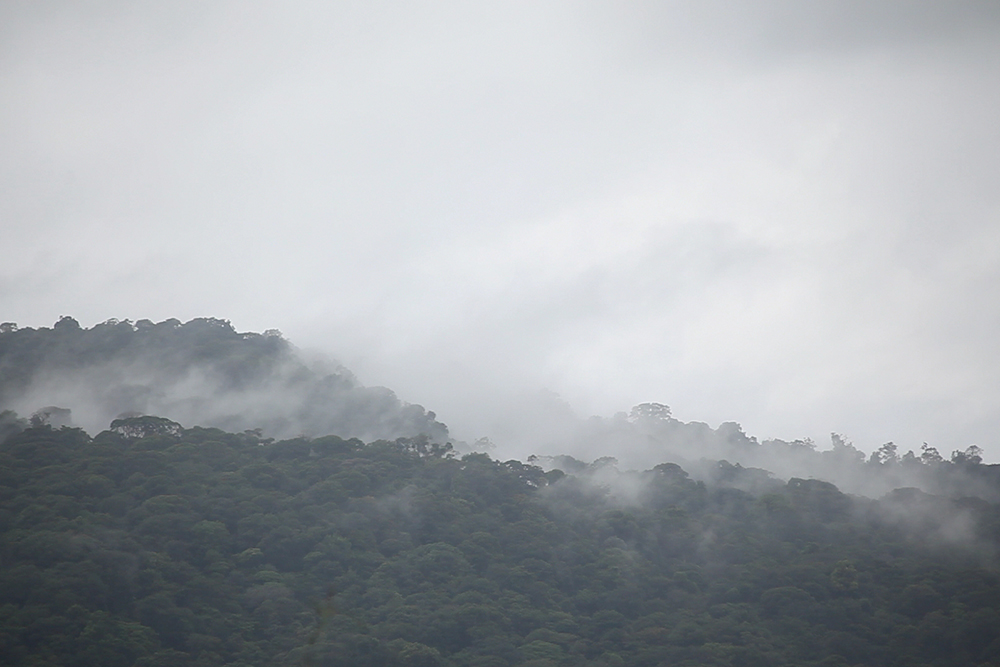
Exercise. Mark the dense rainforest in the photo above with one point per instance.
(256, 538)
(151, 544)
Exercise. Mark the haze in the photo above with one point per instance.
(781, 214)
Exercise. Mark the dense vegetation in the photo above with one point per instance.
(205, 372)
(150, 544)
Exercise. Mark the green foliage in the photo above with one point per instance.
(153, 545)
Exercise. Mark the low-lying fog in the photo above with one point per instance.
(206, 373)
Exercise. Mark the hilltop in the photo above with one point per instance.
(205, 373)
(202, 372)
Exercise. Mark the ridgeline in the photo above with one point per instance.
(151, 544)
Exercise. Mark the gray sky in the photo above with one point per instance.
(785, 214)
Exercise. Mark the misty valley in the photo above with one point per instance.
(186, 494)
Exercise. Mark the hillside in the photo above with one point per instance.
(151, 544)
(300, 518)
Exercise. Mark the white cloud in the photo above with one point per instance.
(779, 214)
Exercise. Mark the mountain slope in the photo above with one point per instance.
(152, 545)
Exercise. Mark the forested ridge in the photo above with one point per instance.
(154, 544)
(204, 372)
(198, 372)
(255, 538)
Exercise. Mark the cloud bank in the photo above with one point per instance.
(784, 215)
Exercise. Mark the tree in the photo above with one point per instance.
(10, 424)
(135, 428)
(973, 455)
(53, 416)
(650, 411)
(930, 455)
(885, 455)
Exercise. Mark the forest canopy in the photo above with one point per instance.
(301, 518)
(155, 544)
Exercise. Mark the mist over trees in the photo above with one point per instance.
(151, 544)
(159, 542)
(204, 372)
(200, 372)
(649, 434)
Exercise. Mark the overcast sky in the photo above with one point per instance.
(785, 214)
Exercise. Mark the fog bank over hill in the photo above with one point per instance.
(649, 435)
(781, 213)
(205, 373)
(202, 372)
